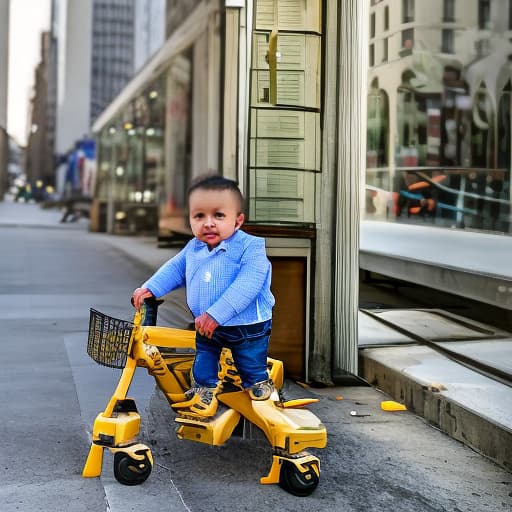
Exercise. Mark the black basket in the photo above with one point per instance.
(109, 339)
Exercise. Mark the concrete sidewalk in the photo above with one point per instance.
(32, 215)
(468, 406)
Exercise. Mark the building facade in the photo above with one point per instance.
(113, 51)
(149, 30)
(99, 45)
(74, 26)
(4, 65)
(39, 162)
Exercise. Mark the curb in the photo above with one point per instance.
(467, 426)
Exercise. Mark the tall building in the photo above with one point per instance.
(149, 30)
(4, 58)
(112, 51)
(39, 164)
(100, 45)
(73, 21)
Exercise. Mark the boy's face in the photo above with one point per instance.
(214, 215)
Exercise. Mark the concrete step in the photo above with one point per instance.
(465, 404)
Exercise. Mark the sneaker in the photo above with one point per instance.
(262, 390)
(191, 392)
(202, 403)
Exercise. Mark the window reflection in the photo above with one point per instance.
(407, 11)
(439, 126)
(130, 160)
(448, 10)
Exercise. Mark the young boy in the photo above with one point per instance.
(227, 277)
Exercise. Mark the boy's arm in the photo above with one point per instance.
(254, 271)
(168, 277)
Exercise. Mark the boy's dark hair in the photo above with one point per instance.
(217, 182)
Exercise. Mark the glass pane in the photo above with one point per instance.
(439, 123)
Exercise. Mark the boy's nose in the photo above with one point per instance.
(209, 221)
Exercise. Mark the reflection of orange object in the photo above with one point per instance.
(424, 184)
(418, 185)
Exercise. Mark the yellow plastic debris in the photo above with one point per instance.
(390, 405)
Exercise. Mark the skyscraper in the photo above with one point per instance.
(112, 57)
(4, 53)
(101, 43)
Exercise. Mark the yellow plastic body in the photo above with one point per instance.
(94, 462)
(299, 402)
(122, 429)
(287, 426)
(214, 432)
(391, 405)
(292, 430)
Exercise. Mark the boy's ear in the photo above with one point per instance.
(239, 220)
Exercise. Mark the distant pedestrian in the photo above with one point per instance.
(227, 277)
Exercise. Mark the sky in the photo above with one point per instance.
(28, 18)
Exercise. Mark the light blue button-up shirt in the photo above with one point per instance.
(231, 282)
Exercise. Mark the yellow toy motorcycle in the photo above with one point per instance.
(167, 354)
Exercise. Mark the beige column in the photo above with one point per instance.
(321, 351)
(230, 117)
(339, 191)
(353, 69)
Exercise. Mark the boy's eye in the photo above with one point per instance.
(198, 216)
(219, 215)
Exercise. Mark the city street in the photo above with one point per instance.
(50, 392)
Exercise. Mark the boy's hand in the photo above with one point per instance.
(205, 325)
(139, 295)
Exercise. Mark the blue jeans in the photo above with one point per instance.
(248, 345)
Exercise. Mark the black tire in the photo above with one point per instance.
(129, 471)
(295, 482)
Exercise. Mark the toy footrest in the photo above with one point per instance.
(213, 431)
(290, 428)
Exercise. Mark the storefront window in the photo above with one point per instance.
(131, 165)
(172, 200)
(439, 124)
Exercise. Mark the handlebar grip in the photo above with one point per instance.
(150, 310)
